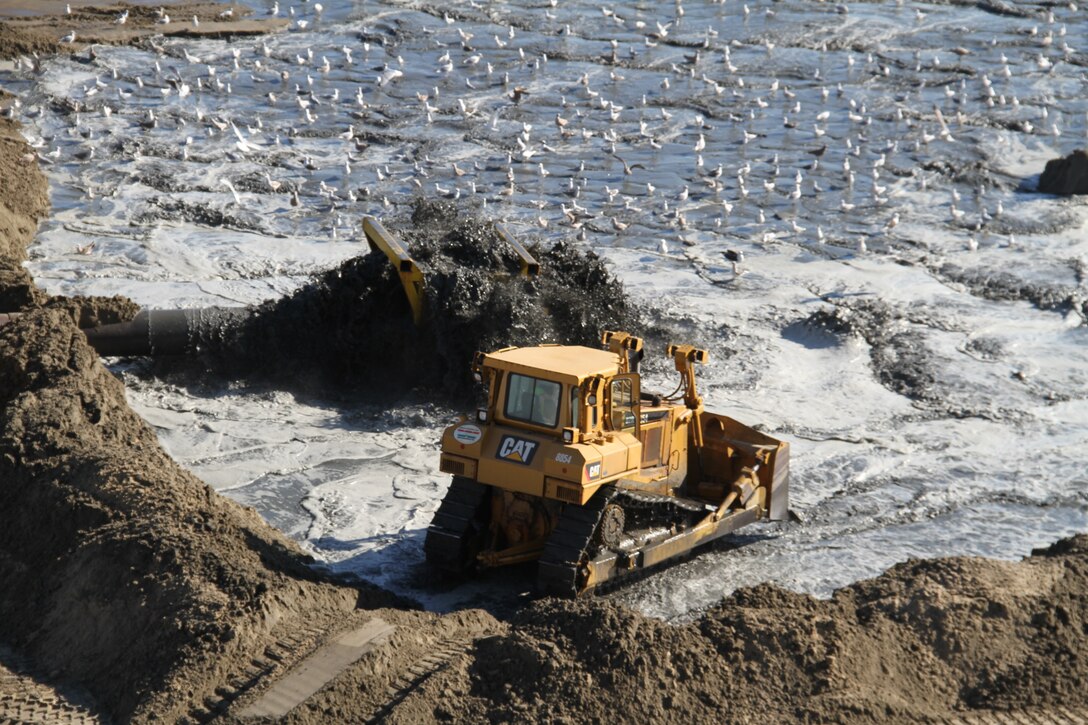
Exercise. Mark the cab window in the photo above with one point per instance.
(533, 400)
(622, 405)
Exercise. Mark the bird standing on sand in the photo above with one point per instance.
(70, 38)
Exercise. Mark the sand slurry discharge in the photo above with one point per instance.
(350, 328)
(133, 592)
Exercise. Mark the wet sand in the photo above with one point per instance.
(27, 28)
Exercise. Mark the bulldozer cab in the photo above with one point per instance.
(586, 408)
(584, 391)
(567, 391)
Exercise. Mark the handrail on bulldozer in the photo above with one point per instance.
(411, 277)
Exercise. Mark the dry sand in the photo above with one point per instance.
(133, 591)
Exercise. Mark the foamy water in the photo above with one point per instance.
(867, 151)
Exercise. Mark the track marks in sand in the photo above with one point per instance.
(1057, 715)
(317, 670)
(256, 674)
(421, 670)
(25, 700)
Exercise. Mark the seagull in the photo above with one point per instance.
(627, 168)
(70, 38)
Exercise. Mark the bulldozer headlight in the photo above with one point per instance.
(592, 399)
(481, 415)
(477, 376)
(568, 435)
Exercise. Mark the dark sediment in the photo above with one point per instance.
(1004, 286)
(351, 327)
(1067, 175)
(172, 209)
(898, 356)
(974, 174)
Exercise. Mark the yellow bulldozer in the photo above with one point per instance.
(572, 465)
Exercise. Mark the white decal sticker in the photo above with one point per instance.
(468, 434)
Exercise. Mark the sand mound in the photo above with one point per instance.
(123, 572)
(922, 640)
(24, 201)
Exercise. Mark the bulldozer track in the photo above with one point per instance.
(260, 670)
(419, 672)
(448, 543)
(575, 536)
(568, 546)
(1055, 715)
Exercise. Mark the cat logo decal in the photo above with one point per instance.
(516, 450)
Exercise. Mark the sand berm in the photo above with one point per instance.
(131, 589)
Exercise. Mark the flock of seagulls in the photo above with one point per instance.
(670, 137)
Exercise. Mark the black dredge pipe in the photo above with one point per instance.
(163, 332)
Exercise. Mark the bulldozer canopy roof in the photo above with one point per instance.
(571, 363)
